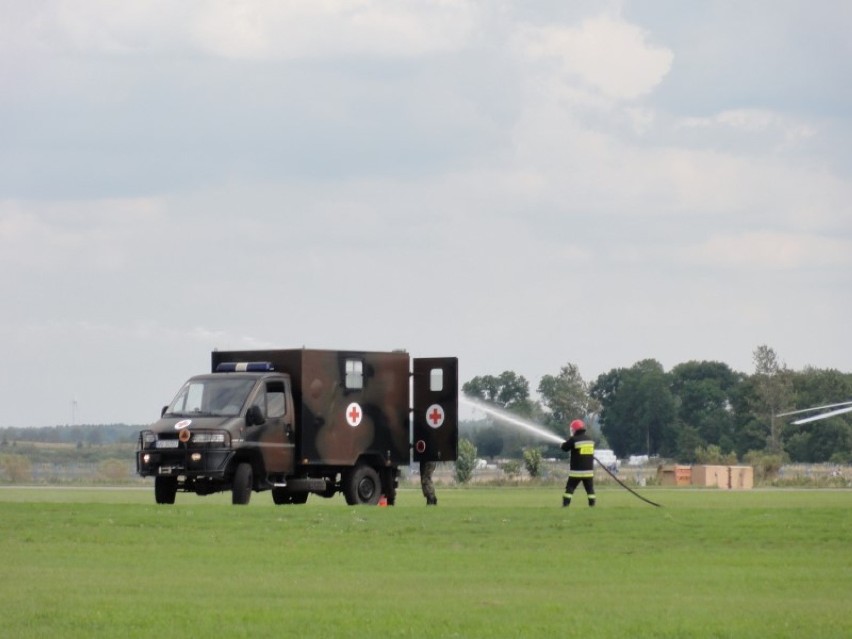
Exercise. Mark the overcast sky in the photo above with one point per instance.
(519, 184)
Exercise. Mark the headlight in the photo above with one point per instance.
(149, 437)
(209, 438)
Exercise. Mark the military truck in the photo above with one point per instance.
(303, 421)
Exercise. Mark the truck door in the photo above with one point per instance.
(275, 436)
(435, 417)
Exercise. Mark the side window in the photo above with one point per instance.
(276, 405)
(354, 373)
(436, 380)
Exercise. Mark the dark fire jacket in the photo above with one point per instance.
(582, 450)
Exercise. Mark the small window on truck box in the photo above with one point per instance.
(354, 373)
(436, 380)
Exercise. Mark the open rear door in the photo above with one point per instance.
(436, 409)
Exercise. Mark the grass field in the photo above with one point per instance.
(487, 562)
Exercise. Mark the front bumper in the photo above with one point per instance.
(189, 462)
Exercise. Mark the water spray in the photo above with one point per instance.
(506, 416)
(541, 433)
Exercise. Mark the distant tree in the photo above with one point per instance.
(750, 432)
(466, 461)
(511, 467)
(507, 390)
(16, 469)
(566, 396)
(766, 465)
(689, 442)
(705, 394)
(773, 393)
(637, 409)
(713, 455)
(821, 386)
(488, 441)
(533, 461)
(825, 440)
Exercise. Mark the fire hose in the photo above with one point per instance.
(625, 486)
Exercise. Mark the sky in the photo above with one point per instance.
(522, 185)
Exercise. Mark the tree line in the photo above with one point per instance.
(82, 435)
(695, 411)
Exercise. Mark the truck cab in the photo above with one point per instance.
(217, 423)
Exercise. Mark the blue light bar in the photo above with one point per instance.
(244, 367)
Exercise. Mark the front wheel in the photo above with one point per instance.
(241, 486)
(165, 489)
(362, 486)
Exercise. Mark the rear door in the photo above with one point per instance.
(435, 427)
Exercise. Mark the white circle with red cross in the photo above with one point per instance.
(435, 416)
(354, 414)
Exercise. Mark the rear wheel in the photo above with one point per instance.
(241, 486)
(362, 486)
(165, 489)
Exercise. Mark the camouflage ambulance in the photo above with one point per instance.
(303, 421)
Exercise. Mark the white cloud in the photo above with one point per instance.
(480, 179)
(246, 29)
(93, 233)
(606, 53)
(770, 250)
(785, 129)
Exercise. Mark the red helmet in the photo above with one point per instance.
(576, 425)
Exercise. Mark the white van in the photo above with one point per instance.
(607, 458)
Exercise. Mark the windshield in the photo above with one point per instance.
(220, 396)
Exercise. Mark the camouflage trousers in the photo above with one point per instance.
(426, 470)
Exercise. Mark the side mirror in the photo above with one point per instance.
(254, 416)
(163, 412)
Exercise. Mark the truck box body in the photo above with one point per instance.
(342, 414)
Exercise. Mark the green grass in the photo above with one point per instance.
(487, 562)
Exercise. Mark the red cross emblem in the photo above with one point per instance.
(354, 414)
(435, 416)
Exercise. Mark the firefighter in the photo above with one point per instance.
(426, 470)
(581, 450)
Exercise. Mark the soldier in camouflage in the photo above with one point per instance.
(426, 470)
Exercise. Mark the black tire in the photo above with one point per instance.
(165, 489)
(362, 486)
(241, 485)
